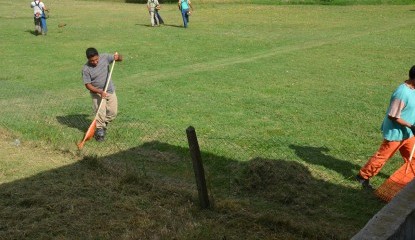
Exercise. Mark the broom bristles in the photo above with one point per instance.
(395, 183)
(388, 190)
(88, 135)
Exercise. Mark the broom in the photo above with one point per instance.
(91, 130)
(398, 180)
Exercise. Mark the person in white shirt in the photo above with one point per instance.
(151, 6)
(39, 17)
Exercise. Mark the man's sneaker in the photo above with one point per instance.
(364, 182)
(100, 134)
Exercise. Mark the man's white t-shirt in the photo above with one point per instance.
(37, 7)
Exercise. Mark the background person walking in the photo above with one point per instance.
(94, 74)
(184, 9)
(39, 17)
(398, 131)
(157, 14)
(151, 6)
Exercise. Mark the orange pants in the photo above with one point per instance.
(386, 151)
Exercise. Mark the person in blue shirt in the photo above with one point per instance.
(184, 7)
(398, 131)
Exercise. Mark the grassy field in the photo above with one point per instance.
(287, 102)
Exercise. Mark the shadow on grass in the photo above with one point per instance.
(79, 121)
(148, 192)
(166, 25)
(319, 156)
(171, 25)
(32, 32)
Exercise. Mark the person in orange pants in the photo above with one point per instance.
(397, 128)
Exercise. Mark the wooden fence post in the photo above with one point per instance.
(198, 167)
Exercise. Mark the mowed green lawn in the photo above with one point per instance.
(287, 102)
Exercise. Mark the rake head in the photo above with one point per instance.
(395, 183)
(88, 135)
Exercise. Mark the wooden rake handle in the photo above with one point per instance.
(410, 160)
(106, 86)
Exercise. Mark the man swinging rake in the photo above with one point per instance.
(97, 79)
